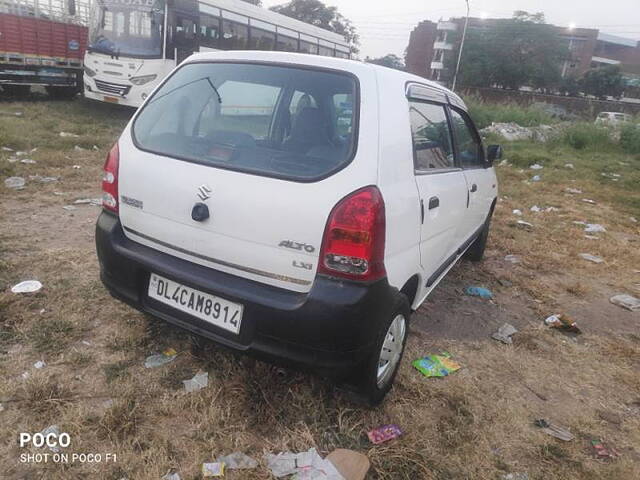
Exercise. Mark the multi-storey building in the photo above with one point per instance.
(433, 46)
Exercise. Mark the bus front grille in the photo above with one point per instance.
(114, 88)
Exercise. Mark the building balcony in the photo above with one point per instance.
(437, 66)
(447, 26)
(442, 46)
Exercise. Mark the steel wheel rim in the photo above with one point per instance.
(391, 350)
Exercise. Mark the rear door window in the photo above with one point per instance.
(431, 137)
(233, 116)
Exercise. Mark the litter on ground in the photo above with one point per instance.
(591, 237)
(67, 134)
(522, 223)
(591, 258)
(479, 292)
(28, 286)
(39, 364)
(69, 207)
(603, 451)
(27, 161)
(573, 191)
(55, 430)
(515, 476)
(536, 166)
(15, 183)
(88, 201)
(237, 461)
(536, 178)
(589, 201)
(594, 228)
(171, 476)
(504, 333)
(159, 359)
(384, 433)
(512, 259)
(626, 301)
(198, 382)
(517, 212)
(563, 322)
(7, 149)
(556, 431)
(41, 179)
(213, 469)
(350, 464)
(569, 165)
(305, 466)
(436, 365)
(535, 208)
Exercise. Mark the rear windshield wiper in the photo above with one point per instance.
(186, 85)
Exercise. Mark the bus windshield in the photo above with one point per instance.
(129, 28)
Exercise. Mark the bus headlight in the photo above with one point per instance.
(141, 80)
(89, 72)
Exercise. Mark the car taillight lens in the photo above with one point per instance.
(353, 243)
(110, 180)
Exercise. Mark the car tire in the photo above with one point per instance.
(378, 380)
(475, 252)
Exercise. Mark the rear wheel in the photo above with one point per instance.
(17, 90)
(62, 92)
(475, 253)
(382, 366)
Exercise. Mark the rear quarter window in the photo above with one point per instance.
(270, 120)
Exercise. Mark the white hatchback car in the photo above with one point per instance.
(294, 207)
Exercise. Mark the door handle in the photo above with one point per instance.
(421, 211)
(434, 202)
(474, 188)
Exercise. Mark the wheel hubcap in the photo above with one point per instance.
(391, 350)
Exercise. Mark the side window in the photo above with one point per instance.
(468, 146)
(431, 137)
(343, 106)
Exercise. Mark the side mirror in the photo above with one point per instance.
(494, 152)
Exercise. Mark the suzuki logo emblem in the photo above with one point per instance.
(204, 192)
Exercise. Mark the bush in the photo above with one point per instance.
(583, 136)
(630, 138)
(484, 114)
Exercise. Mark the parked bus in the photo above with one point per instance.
(42, 43)
(129, 52)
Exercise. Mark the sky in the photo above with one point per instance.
(384, 27)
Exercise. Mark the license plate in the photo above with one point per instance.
(215, 310)
(111, 99)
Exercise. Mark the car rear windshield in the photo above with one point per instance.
(269, 120)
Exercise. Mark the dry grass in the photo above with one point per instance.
(475, 424)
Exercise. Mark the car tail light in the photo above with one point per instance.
(110, 180)
(353, 243)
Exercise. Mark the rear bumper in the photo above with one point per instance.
(332, 328)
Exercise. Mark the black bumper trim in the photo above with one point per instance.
(331, 328)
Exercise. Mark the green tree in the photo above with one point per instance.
(317, 13)
(513, 53)
(603, 82)
(390, 60)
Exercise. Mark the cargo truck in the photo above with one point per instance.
(42, 43)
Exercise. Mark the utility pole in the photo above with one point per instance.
(464, 36)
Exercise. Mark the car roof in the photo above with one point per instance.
(353, 66)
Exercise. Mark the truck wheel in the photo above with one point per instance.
(17, 90)
(382, 366)
(475, 253)
(61, 92)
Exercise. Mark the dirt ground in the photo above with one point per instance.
(477, 423)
